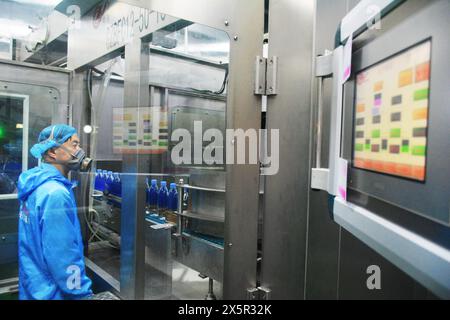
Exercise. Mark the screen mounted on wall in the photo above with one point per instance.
(391, 114)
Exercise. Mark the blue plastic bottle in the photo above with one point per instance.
(153, 195)
(163, 197)
(173, 197)
(112, 184)
(99, 185)
(147, 194)
(117, 186)
(103, 177)
(98, 174)
(109, 180)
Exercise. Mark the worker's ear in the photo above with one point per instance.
(50, 154)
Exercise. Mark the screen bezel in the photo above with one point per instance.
(429, 199)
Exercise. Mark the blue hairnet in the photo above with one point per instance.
(52, 137)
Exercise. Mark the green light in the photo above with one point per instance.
(2, 132)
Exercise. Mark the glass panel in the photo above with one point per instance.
(104, 217)
(189, 83)
(187, 75)
(11, 142)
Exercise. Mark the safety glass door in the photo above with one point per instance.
(188, 217)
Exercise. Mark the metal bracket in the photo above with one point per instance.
(324, 69)
(260, 293)
(272, 76)
(324, 64)
(266, 76)
(260, 75)
(319, 179)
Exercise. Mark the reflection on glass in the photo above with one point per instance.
(11, 139)
(16, 99)
(188, 78)
(190, 56)
(187, 85)
(196, 40)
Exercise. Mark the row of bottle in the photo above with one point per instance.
(108, 182)
(158, 198)
(162, 198)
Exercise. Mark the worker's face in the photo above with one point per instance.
(70, 147)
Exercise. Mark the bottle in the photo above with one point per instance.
(153, 195)
(109, 180)
(172, 204)
(103, 180)
(98, 177)
(147, 194)
(162, 197)
(117, 189)
(112, 184)
(173, 197)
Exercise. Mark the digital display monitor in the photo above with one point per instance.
(391, 114)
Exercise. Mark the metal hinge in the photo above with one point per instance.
(266, 76)
(260, 293)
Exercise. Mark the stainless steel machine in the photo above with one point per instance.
(153, 88)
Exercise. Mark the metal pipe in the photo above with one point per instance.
(180, 206)
(211, 295)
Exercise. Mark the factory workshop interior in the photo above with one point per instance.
(226, 149)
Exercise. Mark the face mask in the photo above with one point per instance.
(79, 162)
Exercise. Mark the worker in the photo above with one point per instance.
(51, 259)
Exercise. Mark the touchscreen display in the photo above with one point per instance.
(391, 114)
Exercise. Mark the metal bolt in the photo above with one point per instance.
(230, 245)
(235, 38)
(226, 23)
(3, 238)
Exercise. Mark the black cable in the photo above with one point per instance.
(220, 91)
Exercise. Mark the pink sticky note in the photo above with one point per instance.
(348, 58)
(342, 193)
(342, 179)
